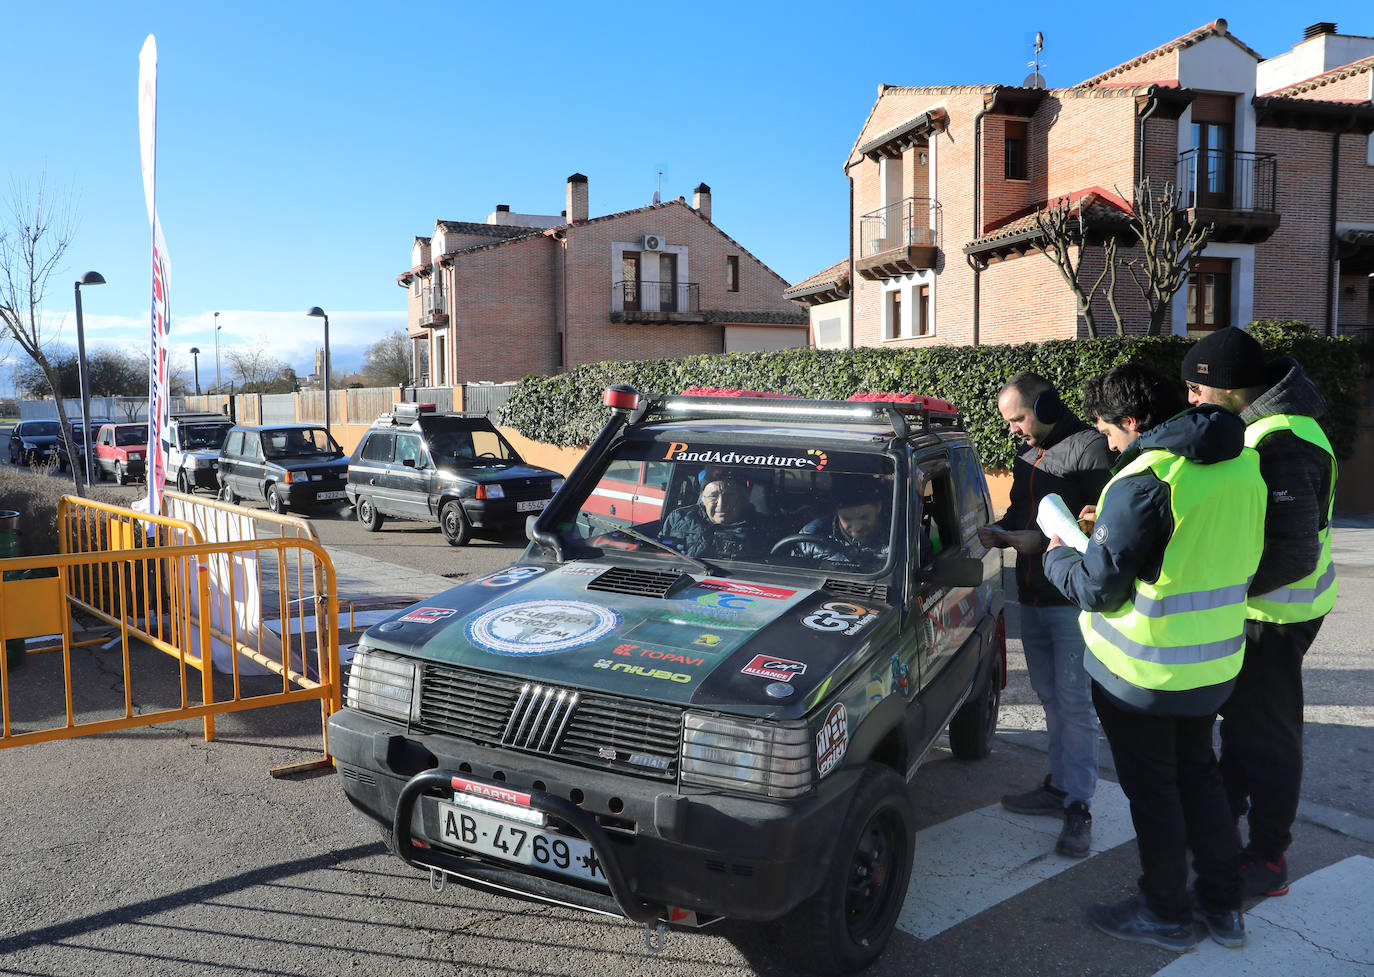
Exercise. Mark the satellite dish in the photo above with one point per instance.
(1034, 80)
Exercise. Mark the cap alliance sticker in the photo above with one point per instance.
(428, 615)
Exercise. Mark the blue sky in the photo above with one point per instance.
(302, 145)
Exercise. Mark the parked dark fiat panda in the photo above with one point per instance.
(712, 706)
(450, 468)
(284, 465)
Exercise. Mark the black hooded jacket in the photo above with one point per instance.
(1298, 475)
(1073, 463)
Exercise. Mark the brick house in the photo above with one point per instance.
(945, 182)
(526, 293)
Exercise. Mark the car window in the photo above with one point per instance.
(377, 447)
(252, 447)
(785, 507)
(294, 442)
(202, 437)
(936, 507)
(42, 429)
(971, 491)
(233, 445)
(490, 444)
(129, 436)
(410, 449)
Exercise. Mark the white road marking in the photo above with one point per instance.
(1323, 927)
(973, 862)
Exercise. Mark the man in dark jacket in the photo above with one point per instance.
(858, 534)
(1161, 583)
(722, 525)
(1066, 457)
(1294, 587)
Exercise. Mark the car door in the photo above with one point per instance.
(948, 613)
(408, 476)
(105, 449)
(368, 474)
(251, 471)
(229, 454)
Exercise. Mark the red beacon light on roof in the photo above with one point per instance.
(919, 401)
(620, 396)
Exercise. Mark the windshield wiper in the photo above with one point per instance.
(644, 538)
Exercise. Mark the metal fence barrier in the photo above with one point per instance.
(151, 579)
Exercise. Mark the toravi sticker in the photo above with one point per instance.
(428, 615)
(832, 739)
(839, 617)
(777, 669)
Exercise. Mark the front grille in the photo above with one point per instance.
(640, 583)
(607, 732)
(521, 489)
(853, 588)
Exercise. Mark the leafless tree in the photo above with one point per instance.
(387, 361)
(254, 367)
(35, 232)
(1063, 239)
(1168, 242)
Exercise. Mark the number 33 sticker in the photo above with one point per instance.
(839, 617)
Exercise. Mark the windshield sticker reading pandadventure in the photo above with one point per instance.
(812, 458)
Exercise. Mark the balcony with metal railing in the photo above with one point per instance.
(1233, 190)
(640, 301)
(899, 239)
(433, 306)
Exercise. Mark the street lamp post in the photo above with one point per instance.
(83, 381)
(195, 359)
(217, 390)
(318, 313)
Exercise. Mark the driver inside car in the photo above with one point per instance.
(857, 532)
(723, 524)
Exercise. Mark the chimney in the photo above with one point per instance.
(503, 208)
(1318, 29)
(701, 200)
(577, 198)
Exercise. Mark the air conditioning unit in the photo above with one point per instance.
(652, 242)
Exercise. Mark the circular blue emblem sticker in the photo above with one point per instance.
(541, 627)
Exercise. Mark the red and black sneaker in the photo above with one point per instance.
(1260, 877)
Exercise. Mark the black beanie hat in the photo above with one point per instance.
(1229, 359)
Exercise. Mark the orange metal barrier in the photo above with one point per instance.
(149, 578)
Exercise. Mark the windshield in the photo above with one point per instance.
(783, 507)
(203, 437)
(471, 449)
(41, 429)
(307, 442)
(126, 436)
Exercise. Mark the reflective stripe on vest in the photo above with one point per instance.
(1312, 596)
(1186, 629)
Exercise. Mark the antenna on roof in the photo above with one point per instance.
(1035, 79)
(658, 194)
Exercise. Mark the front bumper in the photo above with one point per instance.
(308, 493)
(501, 513)
(710, 853)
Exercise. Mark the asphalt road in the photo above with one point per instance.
(153, 852)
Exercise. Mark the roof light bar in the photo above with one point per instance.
(740, 407)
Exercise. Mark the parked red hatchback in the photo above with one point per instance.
(121, 450)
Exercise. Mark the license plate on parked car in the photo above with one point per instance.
(533, 505)
(523, 844)
(328, 496)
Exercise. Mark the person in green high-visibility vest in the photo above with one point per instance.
(1293, 589)
(1161, 584)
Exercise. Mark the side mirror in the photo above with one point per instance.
(408, 462)
(955, 571)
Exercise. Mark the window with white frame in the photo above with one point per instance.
(892, 314)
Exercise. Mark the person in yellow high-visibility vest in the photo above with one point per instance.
(1294, 588)
(1161, 585)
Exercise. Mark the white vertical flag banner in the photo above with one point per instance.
(160, 320)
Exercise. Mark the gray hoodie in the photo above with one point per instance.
(1299, 476)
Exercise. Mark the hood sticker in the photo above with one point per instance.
(541, 627)
(832, 739)
(428, 615)
(642, 670)
(777, 669)
(838, 616)
(747, 589)
(509, 576)
(656, 654)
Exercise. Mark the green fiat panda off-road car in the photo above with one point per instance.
(706, 686)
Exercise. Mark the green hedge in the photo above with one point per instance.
(566, 409)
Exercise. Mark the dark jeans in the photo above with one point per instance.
(1261, 733)
(1169, 773)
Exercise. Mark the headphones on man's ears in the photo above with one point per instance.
(1048, 408)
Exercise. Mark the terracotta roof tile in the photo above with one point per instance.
(834, 275)
(1215, 29)
(1099, 208)
(1325, 78)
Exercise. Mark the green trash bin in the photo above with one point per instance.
(10, 546)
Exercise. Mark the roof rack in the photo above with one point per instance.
(904, 413)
